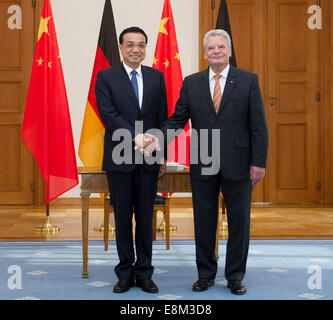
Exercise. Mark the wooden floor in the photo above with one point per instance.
(18, 223)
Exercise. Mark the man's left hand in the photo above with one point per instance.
(256, 174)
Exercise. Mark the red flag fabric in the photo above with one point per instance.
(46, 128)
(167, 59)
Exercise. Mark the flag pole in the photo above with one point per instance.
(50, 142)
(223, 22)
(92, 132)
(47, 226)
(167, 60)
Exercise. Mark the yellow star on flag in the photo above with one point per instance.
(162, 26)
(49, 64)
(43, 27)
(166, 63)
(155, 60)
(40, 61)
(177, 56)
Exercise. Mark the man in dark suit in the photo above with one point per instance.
(127, 95)
(227, 116)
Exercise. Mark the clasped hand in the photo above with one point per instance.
(146, 143)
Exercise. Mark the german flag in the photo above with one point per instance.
(223, 22)
(107, 54)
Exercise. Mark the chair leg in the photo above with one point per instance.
(217, 240)
(167, 222)
(106, 221)
(154, 224)
(217, 229)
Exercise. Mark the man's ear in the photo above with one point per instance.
(230, 52)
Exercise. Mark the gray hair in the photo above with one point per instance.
(217, 32)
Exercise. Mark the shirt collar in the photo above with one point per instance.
(129, 69)
(224, 73)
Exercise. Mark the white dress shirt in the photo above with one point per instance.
(139, 78)
(223, 80)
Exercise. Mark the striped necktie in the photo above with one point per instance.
(217, 93)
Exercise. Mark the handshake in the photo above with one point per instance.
(146, 143)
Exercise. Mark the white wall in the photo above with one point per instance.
(77, 25)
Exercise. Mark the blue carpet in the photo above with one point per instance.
(276, 270)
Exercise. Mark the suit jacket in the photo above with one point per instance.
(119, 109)
(240, 120)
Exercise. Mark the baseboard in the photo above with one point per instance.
(176, 202)
(180, 202)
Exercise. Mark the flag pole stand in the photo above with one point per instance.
(47, 226)
(223, 225)
(112, 228)
(162, 226)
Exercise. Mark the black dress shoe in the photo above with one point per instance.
(123, 285)
(202, 284)
(147, 285)
(237, 287)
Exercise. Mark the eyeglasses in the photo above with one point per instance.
(131, 45)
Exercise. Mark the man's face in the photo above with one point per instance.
(217, 52)
(133, 49)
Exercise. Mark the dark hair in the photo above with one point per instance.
(132, 30)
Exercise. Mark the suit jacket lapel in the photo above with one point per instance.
(126, 83)
(206, 90)
(230, 84)
(146, 86)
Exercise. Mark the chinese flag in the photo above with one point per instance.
(167, 60)
(46, 128)
(107, 54)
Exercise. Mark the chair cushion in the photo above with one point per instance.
(159, 201)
